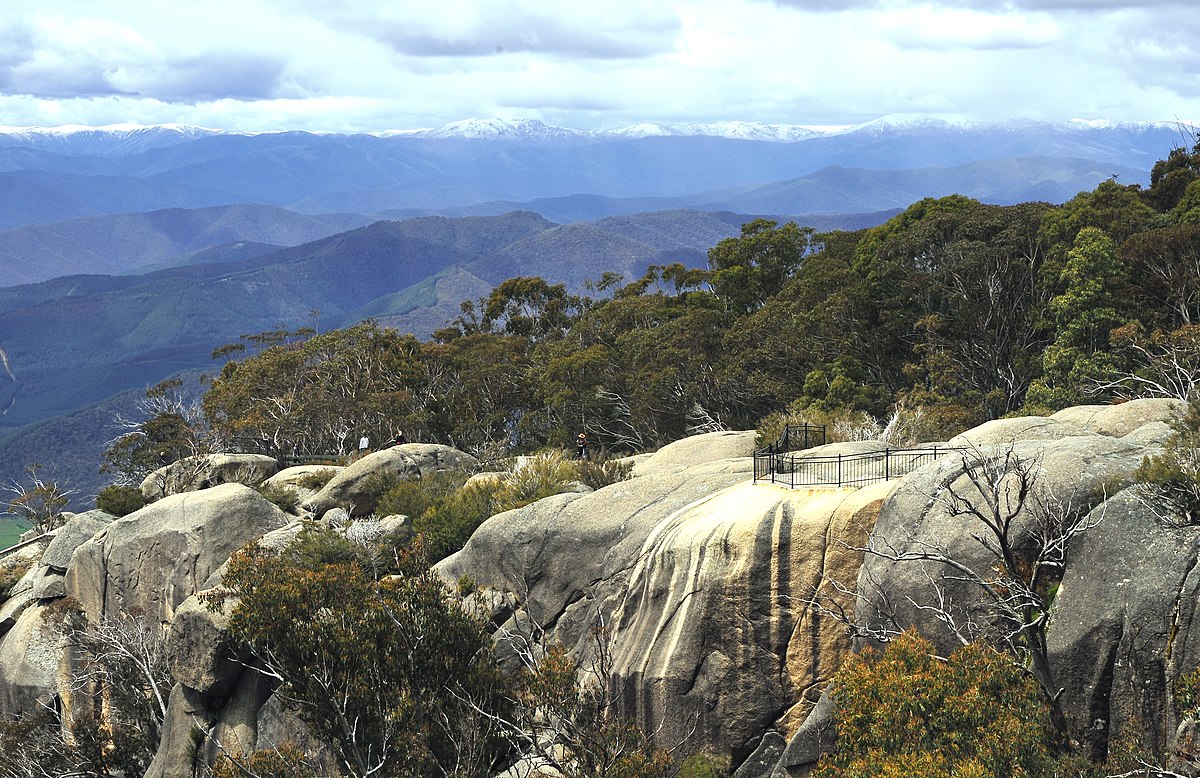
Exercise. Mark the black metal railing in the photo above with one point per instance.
(837, 470)
(795, 437)
(292, 460)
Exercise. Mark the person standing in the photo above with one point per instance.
(581, 446)
(363, 444)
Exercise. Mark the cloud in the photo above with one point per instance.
(364, 65)
(238, 75)
(945, 29)
(468, 28)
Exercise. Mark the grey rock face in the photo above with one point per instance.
(185, 710)
(1123, 418)
(697, 450)
(20, 598)
(350, 488)
(29, 657)
(201, 472)
(1126, 624)
(695, 576)
(77, 530)
(1003, 432)
(199, 652)
(1075, 470)
(152, 560)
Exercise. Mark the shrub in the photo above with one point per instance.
(1187, 693)
(906, 712)
(384, 668)
(316, 480)
(12, 570)
(703, 766)
(413, 498)
(120, 500)
(1170, 481)
(448, 524)
(283, 761)
(284, 497)
(601, 471)
(538, 476)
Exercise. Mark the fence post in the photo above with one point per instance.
(839, 470)
(887, 463)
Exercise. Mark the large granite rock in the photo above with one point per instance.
(75, 532)
(199, 652)
(1126, 625)
(1073, 473)
(1123, 418)
(1004, 432)
(201, 472)
(29, 660)
(696, 450)
(150, 561)
(698, 578)
(187, 711)
(353, 488)
(20, 598)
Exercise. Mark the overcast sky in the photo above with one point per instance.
(364, 65)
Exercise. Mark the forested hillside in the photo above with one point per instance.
(957, 311)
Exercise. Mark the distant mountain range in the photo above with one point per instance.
(132, 138)
(51, 175)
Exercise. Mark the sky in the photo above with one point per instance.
(375, 65)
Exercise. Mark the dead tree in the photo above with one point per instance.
(1001, 592)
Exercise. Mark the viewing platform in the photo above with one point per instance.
(785, 463)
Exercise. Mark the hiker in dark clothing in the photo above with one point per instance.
(581, 446)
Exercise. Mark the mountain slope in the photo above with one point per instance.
(125, 242)
(854, 190)
(75, 340)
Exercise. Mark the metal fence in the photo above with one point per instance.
(797, 470)
(795, 437)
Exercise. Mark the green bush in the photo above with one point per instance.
(12, 570)
(704, 766)
(413, 498)
(1187, 693)
(284, 497)
(1170, 481)
(316, 480)
(449, 523)
(600, 471)
(283, 761)
(120, 500)
(539, 476)
(906, 712)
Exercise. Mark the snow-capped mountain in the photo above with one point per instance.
(123, 139)
(113, 139)
(785, 133)
(497, 129)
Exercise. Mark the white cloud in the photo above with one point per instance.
(363, 65)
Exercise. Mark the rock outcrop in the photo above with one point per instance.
(1125, 626)
(1125, 605)
(696, 450)
(150, 561)
(701, 591)
(700, 584)
(201, 472)
(353, 488)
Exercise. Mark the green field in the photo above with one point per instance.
(10, 530)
